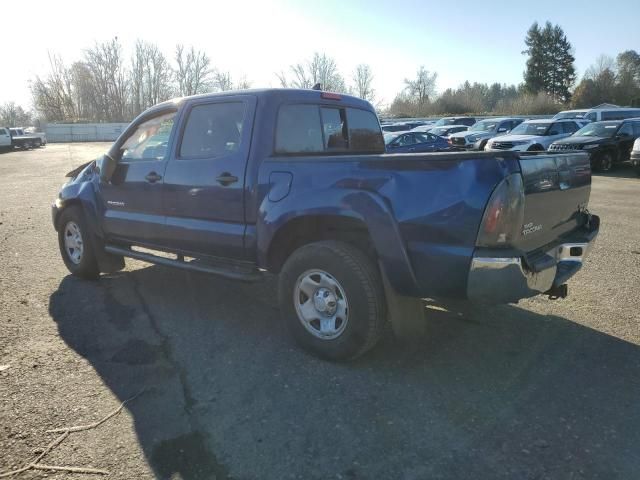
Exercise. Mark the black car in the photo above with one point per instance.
(606, 142)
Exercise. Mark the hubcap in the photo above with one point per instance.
(73, 242)
(321, 304)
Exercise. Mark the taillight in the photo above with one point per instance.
(330, 96)
(504, 214)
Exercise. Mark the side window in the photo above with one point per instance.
(298, 129)
(212, 130)
(569, 127)
(626, 129)
(592, 117)
(334, 128)
(364, 131)
(636, 129)
(611, 115)
(407, 140)
(421, 138)
(3, 131)
(150, 139)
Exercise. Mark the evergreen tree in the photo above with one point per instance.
(550, 66)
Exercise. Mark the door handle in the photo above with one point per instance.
(152, 177)
(226, 178)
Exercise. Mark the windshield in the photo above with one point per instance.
(389, 137)
(531, 128)
(600, 129)
(445, 121)
(440, 131)
(561, 115)
(484, 126)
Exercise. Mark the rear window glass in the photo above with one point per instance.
(305, 129)
(298, 129)
(364, 131)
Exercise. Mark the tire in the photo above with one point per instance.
(605, 162)
(338, 277)
(38, 143)
(76, 245)
(483, 144)
(535, 148)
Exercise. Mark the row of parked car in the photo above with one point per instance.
(607, 134)
(24, 138)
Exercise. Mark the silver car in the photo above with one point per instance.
(477, 136)
(535, 135)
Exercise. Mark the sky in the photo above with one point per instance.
(461, 40)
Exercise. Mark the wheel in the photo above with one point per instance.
(605, 162)
(332, 300)
(482, 145)
(76, 247)
(535, 148)
(38, 143)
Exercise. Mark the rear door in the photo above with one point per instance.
(132, 199)
(205, 179)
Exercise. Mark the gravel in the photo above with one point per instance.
(542, 389)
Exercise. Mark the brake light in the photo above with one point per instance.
(504, 214)
(331, 96)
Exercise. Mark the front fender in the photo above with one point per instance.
(82, 194)
(365, 206)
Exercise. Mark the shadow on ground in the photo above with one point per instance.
(619, 170)
(494, 393)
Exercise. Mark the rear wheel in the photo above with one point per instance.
(38, 143)
(76, 246)
(332, 300)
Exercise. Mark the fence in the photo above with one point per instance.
(84, 132)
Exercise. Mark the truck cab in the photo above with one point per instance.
(5, 138)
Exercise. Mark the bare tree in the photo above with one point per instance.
(363, 79)
(12, 115)
(243, 84)
(53, 96)
(109, 80)
(423, 87)
(319, 69)
(222, 81)
(193, 73)
(150, 77)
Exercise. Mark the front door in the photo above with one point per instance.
(205, 178)
(132, 199)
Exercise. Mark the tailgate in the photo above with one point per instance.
(557, 189)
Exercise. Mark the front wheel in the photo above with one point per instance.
(605, 162)
(76, 246)
(535, 148)
(332, 300)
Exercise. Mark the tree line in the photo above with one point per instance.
(107, 86)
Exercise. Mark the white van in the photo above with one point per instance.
(620, 113)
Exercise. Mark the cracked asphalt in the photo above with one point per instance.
(538, 390)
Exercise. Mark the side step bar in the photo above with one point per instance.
(231, 273)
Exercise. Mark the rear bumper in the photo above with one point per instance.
(509, 278)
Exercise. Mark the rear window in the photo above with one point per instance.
(309, 129)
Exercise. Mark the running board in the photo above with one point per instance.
(245, 275)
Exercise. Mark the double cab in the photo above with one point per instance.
(295, 185)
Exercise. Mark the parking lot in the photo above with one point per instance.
(539, 390)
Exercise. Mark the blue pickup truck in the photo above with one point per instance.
(253, 183)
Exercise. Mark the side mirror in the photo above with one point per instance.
(106, 166)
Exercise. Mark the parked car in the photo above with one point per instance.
(22, 137)
(34, 131)
(448, 130)
(568, 114)
(534, 135)
(15, 137)
(443, 122)
(396, 127)
(477, 136)
(242, 183)
(607, 143)
(618, 113)
(635, 156)
(423, 128)
(407, 142)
